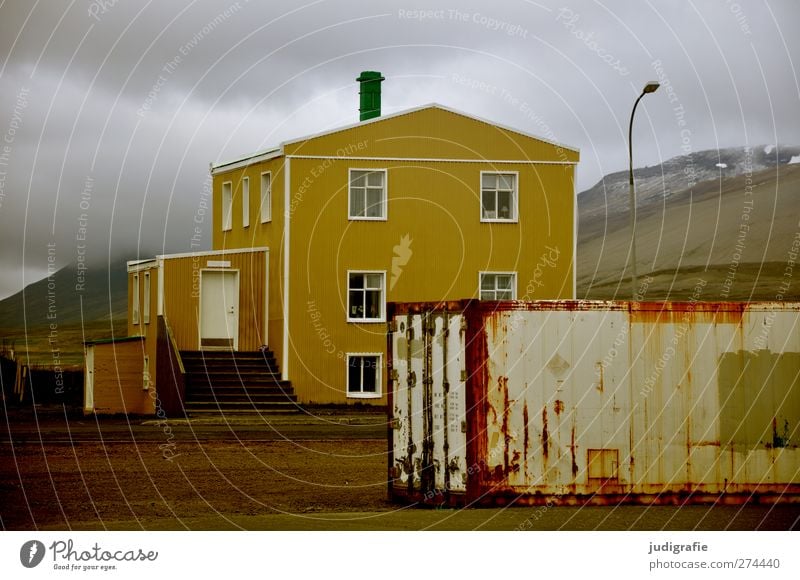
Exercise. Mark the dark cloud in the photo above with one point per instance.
(125, 103)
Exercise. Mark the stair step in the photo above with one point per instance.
(219, 382)
(239, 406)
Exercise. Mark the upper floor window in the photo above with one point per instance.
(266, 197)
(136, 303)
(498, 197)
(245, 202)
(365, 296)
(146, 307)
(498, 286)
(227, 206)
(367, 197)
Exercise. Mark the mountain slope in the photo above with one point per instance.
(733, 234)
(604, 207)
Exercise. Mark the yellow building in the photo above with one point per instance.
(315, 237)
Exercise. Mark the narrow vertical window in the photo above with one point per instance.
(227, 206)
(266, 197)
(146, 307)
(135, 293)
(245, 202)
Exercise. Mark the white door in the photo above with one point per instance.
(219, 309)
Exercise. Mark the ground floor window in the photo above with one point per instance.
(498, 286)
(364, 375)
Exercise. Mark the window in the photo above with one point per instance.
(245, 202)
(146, 373)
(135, 294)
(364, 375)
(227, 206)
(365, 296)
(498, 286)
(498, 197)
(367, 194)
(146, 307)
(266, 197)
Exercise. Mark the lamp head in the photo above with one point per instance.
(650, 87)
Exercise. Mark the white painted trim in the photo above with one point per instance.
(240, 162)
(434, 160)
(266, 298)
(383, 302)
(385, 216)
(278, 151)
(515, 290)
(287, 222)
(141, 266)
(212, 253)
(160, 287)
(379, 393)
(222, 208)
(574, 235)
(261, 198)
(516, 198)
(422, 108)
(200, 308)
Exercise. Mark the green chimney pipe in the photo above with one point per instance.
(370, 93)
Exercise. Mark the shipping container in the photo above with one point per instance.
(569, 402)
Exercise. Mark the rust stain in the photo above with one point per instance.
(502, 384)
(545, 436)
(573, 451)
(525, 440)
(558, 406)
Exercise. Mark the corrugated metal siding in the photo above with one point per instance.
(118, 379)
(436, 205)
(581, 400)
(181, 296)
(431, 133)
(268, 235)
(429, 417)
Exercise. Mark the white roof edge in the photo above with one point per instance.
(137, 265)
(212, 253)
(278, 151)
(264, 155)
(421, 108)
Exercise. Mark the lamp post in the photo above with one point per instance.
(648, 88)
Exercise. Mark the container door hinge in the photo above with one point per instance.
(392, 326)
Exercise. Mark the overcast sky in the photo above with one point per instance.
(115, 109)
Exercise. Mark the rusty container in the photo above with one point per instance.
(606, 402)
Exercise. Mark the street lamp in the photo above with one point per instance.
(648, 88)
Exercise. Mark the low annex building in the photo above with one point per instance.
(313, 238)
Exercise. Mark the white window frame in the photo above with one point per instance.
(514, 202)
(135, 292)
(265, 208)
(378, 379)
(382, 317)
(146, 300)
(495, 273)
(385, 204)
(146, 380)
(227, 206)
(245, 202)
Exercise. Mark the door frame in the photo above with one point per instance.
(200, 309)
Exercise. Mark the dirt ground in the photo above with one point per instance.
(302, 473)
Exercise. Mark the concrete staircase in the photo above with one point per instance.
(224, 381)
